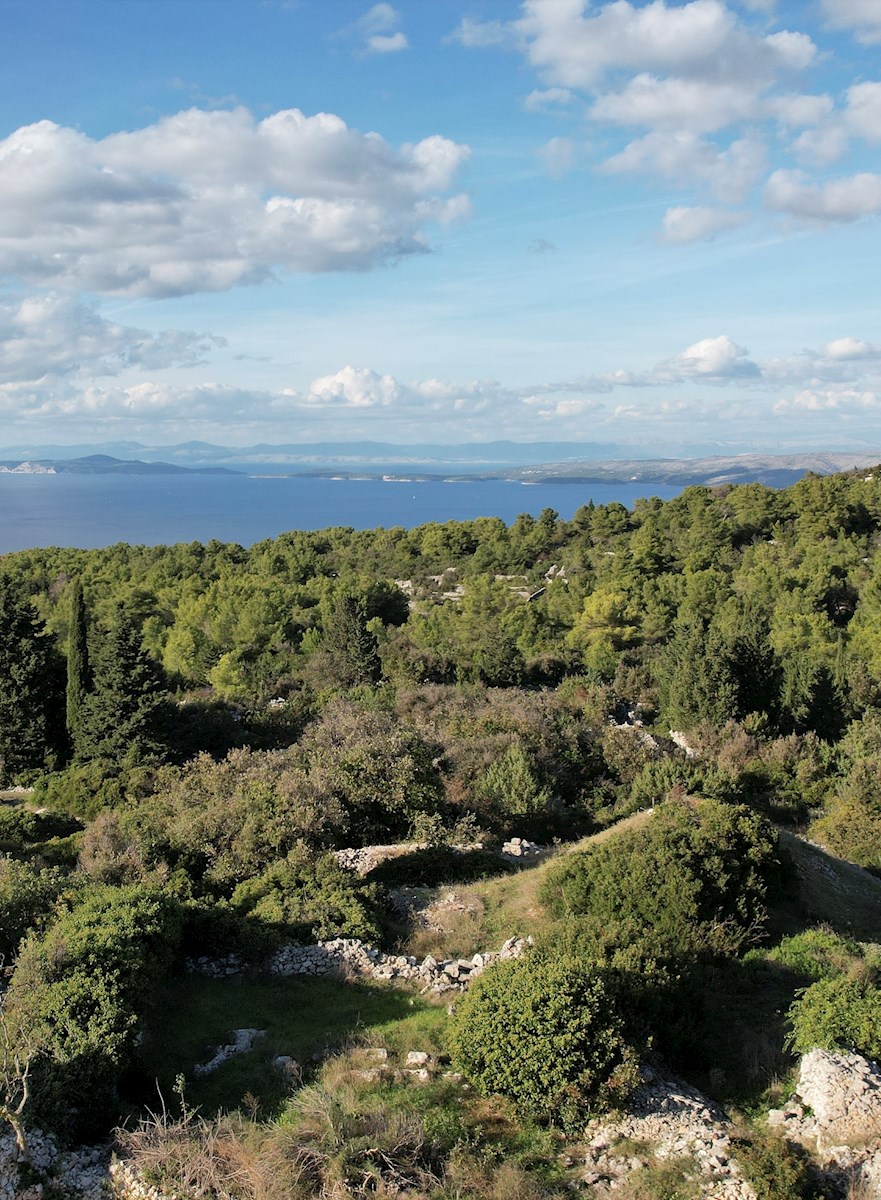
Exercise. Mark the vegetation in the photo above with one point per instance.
(685, 698)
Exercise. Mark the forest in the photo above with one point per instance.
(682, 700)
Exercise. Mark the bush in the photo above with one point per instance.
(27, 895)
(547, 1034)
(698, 875)
(816, 954)
(838, 1014)
(776, 1169)
(309, 898)
(75, 999)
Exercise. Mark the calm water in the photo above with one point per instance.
(92, 510)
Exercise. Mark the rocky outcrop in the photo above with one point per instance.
(666, 1120)
(836, 1113)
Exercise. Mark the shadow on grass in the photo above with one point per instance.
(303, 1017)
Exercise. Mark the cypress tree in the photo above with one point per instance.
(77, 660)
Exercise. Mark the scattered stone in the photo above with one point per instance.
(242, 1041)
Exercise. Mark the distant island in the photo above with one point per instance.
(104, 464)
(519, 462)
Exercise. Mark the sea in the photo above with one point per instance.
(90, 511)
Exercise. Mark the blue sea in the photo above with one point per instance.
(89, 511)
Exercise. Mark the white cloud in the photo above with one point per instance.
(851, 348)
(53, 336)
(698, 223)
(206, 201)
(842, 400)
(478, 35)
(863, 17)
(544, 99)
(387, 43)
(842, 200)
(715, 359)
(683, 157)
(860, 116)
(378, 32)
(863, 113)
(558, 156)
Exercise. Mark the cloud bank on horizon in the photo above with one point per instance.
(572, 221)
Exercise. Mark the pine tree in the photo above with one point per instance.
(77, 660)
(120, 718)
(351, 644)
(27, 685)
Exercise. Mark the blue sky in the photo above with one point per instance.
(649, 224)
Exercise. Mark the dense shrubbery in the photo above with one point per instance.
(319, 705)
(76, 996)
(843, 1013)
(697, 874)
(546, 1033)
(309, 897)
(27, 896)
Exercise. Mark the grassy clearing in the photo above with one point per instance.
(302, 1017)
(492, 910)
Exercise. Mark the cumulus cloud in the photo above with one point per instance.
(57, 335)
(711, 360)
(207, 201)
(713, 379)
(839, 200)
(704, 85)
(681, 156)
(698, 223)
(862, 17)
(573, 46)
(842, 400)
(858, 117)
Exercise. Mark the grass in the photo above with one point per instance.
(502, 907)
(302, 1017)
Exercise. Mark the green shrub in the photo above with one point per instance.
(27, 895)
(776, 1169)
(838, 1014)
(309, 898)
(20, 826)
(698, 875)
(816, 953)
(75, 999)
(546, 1033)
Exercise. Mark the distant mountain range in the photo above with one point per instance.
(102, 464)
(522, 462)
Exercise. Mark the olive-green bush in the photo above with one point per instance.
(309, 897)
(547, 1034)
(76, 997)
(838, 1014)
(697, 874)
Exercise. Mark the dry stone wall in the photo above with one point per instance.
(352, 957)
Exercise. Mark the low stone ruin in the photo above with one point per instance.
(351, 956)
(666, 1119)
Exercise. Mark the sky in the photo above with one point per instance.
(653, 225)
